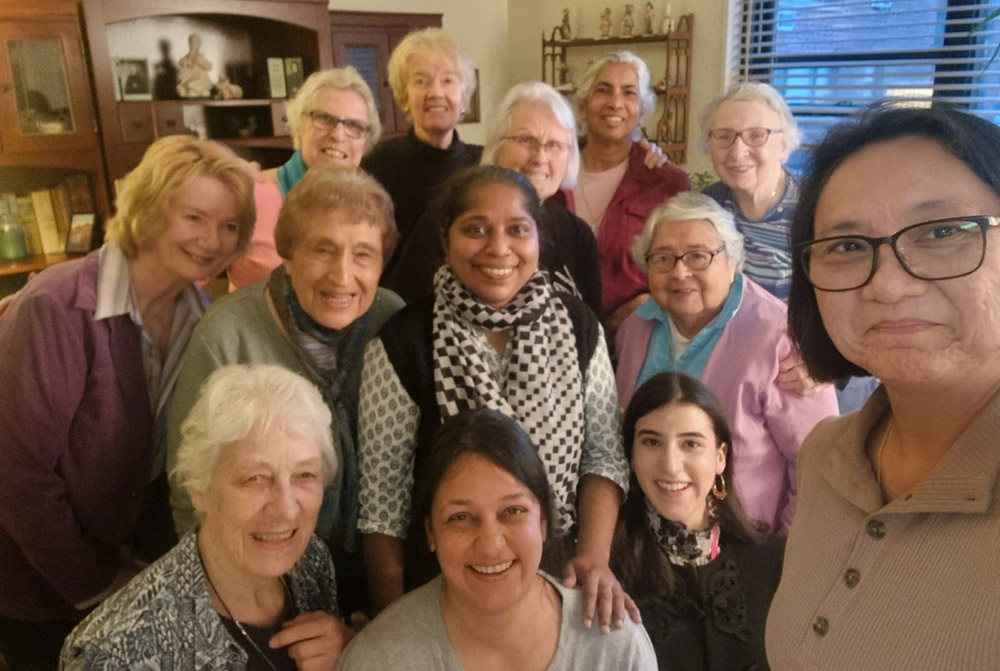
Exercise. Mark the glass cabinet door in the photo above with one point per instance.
(43, 102)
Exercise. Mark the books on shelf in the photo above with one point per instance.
(56, 219)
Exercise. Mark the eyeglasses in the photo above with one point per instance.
(724, 138)
(532, 144)
(324, 122)
(696, 259)
(934, 250)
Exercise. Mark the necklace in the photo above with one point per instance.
(880, 450)
(232, 617)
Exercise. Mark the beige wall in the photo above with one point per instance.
(503, 38)
(480, 29)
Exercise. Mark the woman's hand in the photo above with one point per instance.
(654, 157)
(793, 376)
(314, 640)
(601, 593)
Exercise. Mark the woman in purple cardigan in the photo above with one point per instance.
(91, 354)
(706, 319)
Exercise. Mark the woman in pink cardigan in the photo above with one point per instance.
(706, 319)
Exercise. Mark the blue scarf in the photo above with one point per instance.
(290, 173)
(660, 349)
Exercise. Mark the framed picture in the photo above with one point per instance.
(132, 79)
(294, 76)
(81, 229)
(276, 77)
(472, 113)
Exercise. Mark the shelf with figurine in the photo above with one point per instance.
(673, 87)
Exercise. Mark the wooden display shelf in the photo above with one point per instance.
(30, 264)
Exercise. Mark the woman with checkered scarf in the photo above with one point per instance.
(494, 334)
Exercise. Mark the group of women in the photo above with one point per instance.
(462, 455)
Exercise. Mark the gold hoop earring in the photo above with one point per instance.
(719, 488)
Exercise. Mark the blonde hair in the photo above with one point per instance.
(429, 41)
(239, 400)
(343, 79)
(328, 188)
(146, 193)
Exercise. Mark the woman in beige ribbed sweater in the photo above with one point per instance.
(893, 559)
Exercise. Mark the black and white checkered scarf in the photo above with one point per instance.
(543, 389)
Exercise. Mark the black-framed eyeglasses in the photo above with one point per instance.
(696, 259)
(533, 144)
(942, 249)
(723, 138)
(324, 122)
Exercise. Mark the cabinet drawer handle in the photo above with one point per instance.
(137, 124)
(5, 87)
(171, 123)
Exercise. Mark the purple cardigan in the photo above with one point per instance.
(639, 192)
(76, 436)
(768, 424)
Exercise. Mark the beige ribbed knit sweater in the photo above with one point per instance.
(909, 586)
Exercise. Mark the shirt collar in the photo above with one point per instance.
(114, 288)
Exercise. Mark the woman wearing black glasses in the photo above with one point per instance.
(707, 319)
(893, 557)
(333, 121)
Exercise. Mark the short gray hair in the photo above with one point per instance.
(556, 102)
(237, 400)
(691, 206)
(646, 94)
(344, 79)
(754, 92)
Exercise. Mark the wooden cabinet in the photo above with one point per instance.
(149, 38)
(365, 40)
(47, 123)
(674, 87)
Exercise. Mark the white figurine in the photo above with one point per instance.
(564, 29)
(628, 21)
(192, 72)
(226, 90)
(605, 28)
(647, 19)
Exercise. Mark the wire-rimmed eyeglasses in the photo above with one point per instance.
(533, 144)
(723, 138)
(696, 259)
(324, 122)
(942, 249)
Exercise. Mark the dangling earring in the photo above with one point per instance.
(719, 488)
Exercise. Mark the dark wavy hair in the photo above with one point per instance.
(968, 138)
(636, 557)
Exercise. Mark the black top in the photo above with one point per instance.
(567, 249)
(411, 171)
(715, 619)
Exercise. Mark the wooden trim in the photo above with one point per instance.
(350, 19)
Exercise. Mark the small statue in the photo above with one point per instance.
(666, 25)
(564, 85)
(628, 21)
(226, 90)
(562, 31)
(605, 28)
(192, 75)
(647, 19)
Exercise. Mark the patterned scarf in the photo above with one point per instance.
(683, 547)
(333, 358)
(543, 389)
